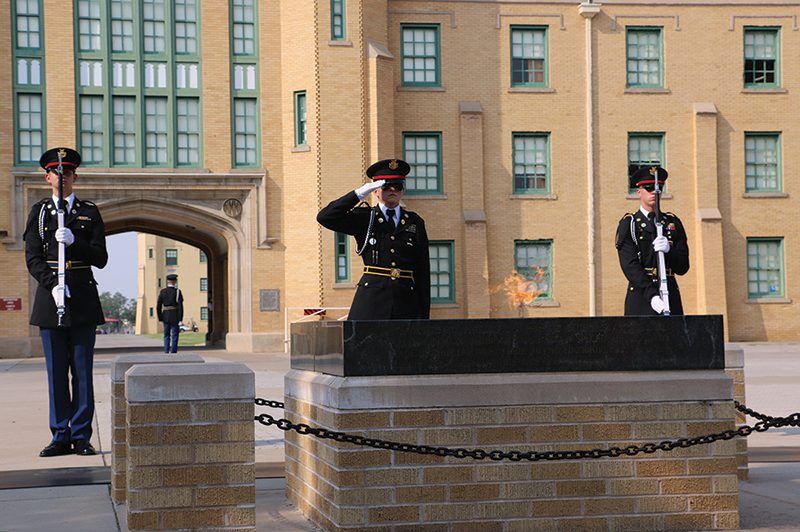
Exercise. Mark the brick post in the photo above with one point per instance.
(191, 448)
(119, 366)
(734, 367)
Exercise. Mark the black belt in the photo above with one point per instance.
(69, 265)
(168, 308)
(394, 273)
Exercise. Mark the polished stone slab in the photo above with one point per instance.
(522, 345)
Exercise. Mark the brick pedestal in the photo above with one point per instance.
(344, 487)
(734, 367)
(191, 448)
(119, 366)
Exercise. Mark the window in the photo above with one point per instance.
(644, 149)
(124, 130)
(188, 131)
(337, 20)
(244, 27)
(155, 124)
(28, 81)
(531, 160)
(149, 253)
(186, 26)
(204, 284)
(244, 132)
(204, 313)
(159, 282)
(644, 57)
(420, 51)
(203, 257)
(91, 128)
(529, 56)
(761, 57)
(765, 267)
(533, 260)
(89, 25)
(442, 274)
(300, 118)
(153, 17)
(121, 25)
(171, 257)
(422, 151)
(342, 251)
(762, 162)
(151, 312)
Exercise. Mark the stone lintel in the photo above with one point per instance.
(123, 363)
(378, 50)
(709, 214)
(470, 108)
(189, 382)
(704, 108)
(493, 389)
(734, 356)
(474, 215)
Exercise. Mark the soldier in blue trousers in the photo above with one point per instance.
(68, 341)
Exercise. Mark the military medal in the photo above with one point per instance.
(372, 241)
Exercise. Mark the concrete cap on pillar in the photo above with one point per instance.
(123, 363)
(188, 382)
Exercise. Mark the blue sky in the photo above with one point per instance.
(119, 275)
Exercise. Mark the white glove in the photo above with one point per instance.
(366, 188)
(65, 235)
(54, 291)
(657, 304)
(661, 244)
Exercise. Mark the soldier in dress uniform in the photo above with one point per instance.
(169, 308)
(68, 348)
(638, 247)
(392, 243)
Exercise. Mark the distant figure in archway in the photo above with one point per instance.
(68, 345)
(170, 311)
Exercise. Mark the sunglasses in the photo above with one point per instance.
(397, 185)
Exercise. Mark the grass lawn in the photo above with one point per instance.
(185, 338)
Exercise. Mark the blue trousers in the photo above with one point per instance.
(70, 350)
(171, 330)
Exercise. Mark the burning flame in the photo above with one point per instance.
(519, 289)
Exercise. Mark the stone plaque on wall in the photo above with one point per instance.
(269, 300)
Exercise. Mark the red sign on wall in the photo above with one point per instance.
(10, 303)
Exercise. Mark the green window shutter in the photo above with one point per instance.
(644, 57)
(420, 55)
(529, 56)
(531, 163)
(762, 156)
(533, 259)
(765, 274)
(442, 271)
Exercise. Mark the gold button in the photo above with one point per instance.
(393, 264)
(392, 237)
(392, 250)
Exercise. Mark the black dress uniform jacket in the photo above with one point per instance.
(406, 248)
(41, 255)
(639, 262)
(169, 306)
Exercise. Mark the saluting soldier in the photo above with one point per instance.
(68, 348)
(392, 243)
(638, 247)
(169, 308)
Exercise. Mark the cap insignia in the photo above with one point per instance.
(62, 153)
(653, 170)
(393, 164)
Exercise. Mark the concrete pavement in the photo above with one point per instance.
(770, 500)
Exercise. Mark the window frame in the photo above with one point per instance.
(167, 257)
(341, 239)
(662, 136)
(243, 61)
(782, 267)
(645, 29)
(28, 54)
(762, 29)
(300, 122)
(451, 272)
(203, 313)
(438, 58)
(439, 173)
(548, 176)
(549, 271)
(343, 35)
(779, 163)
(204, 281)
(546, 70)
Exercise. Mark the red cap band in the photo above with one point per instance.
(377, 177)
(63, 163)
(649, 182)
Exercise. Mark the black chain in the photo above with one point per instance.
(765, 423)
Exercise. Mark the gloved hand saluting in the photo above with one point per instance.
(661, 244)
(54, 291)
(657, 304)
(364, 190)
(65, 235)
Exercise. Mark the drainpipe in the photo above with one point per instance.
(588, 10)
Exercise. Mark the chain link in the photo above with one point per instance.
(765, 423)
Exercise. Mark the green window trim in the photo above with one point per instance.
(762, 59)
(202, 256)
(204, 284)
(28, 67)
(245, 132)
(762, 162)
(245, 101)
(528, 261)
(422, 150)
(300, 119)
(528, 56)
(420, 59)
(341, 246)
(765, 268)
(644, 149)
(338, 20)
(170, 257)
(138, 59)
(243, 27)
(442, 262)
(203, 313)
(91, 128)
(530, 171)
(644, 50)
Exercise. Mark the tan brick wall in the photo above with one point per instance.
(341, 486)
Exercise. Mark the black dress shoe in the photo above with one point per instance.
(84, 448)
(56, 448)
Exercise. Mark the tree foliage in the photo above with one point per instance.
(118, 306)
